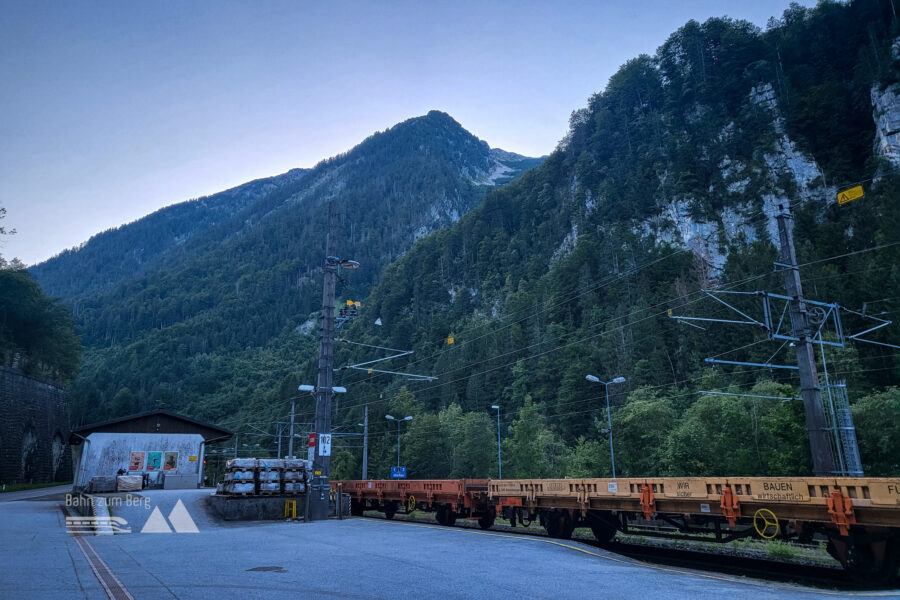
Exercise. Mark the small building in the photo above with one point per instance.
(164, 447)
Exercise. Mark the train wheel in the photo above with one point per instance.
(443, 515)
(451, 516)
(559, 525)
(390, 509)
(604, 530)
(874, 563)
(487, 521)
(603, 533)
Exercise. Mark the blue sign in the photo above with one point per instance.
(398, 472)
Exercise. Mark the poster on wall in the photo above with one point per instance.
(137, 461)
(171, 461)
(154, 460)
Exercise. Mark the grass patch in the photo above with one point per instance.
(18, 487)
(779, 549)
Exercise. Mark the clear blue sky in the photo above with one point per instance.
(110, 110)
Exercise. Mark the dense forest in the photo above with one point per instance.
(665, 184)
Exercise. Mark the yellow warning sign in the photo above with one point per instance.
(349, 302)
(411, 503)
(766, 523)
(450, 340)
(850, 195)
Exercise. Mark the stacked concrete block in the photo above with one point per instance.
(266, 476)
(269, 473)
(240, 476)
(295, 476)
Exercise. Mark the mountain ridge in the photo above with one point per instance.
(253, 275)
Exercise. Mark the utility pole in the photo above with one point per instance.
(819, 444)
(235, 445)
(318, 500)
(365, 473)
(291, 438)
(499, 455)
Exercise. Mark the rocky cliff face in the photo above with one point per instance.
(886, 113)
(782, 173)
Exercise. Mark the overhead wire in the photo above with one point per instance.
(439, 385)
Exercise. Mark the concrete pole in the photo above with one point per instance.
(819, 444)
(291, 434)
(235, 444)
(365, 470)
(200, 464)
(318, 506)
(499, 455)
(612, 453)
(278, 429)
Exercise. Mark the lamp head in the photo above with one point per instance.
(494, 406)
(592, 378)
(349, 264)
(339, 390)
(407, 418)
(306, 388)
(618, 380)
(389, 418)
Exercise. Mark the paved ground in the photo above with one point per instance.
(354, 558)
(56, 490)
(37, 558)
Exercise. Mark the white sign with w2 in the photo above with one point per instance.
(324, 444)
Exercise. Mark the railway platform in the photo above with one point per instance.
(352, 558)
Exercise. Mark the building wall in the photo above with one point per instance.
(105, 453)
(34, 430)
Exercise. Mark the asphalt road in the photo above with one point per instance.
(353, 558)
(36, 493)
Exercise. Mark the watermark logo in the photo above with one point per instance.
(88, 525)
(179, 518)
(179, 521)
(130, 500)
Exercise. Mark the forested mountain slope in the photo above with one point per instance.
(227, 278)
(666, 183)
(120, 253)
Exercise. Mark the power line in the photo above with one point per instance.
(668, 302)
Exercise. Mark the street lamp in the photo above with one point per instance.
(390, 418)
(612, 454)
(499, 457)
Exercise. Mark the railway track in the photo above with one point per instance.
(779, 570)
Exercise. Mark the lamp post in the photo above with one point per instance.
(499, 456)
(612, 454)
(390, 418)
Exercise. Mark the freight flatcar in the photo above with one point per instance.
(859, 518)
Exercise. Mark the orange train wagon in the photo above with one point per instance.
(859, 517)
(448, 498)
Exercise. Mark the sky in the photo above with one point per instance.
(111, 110)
